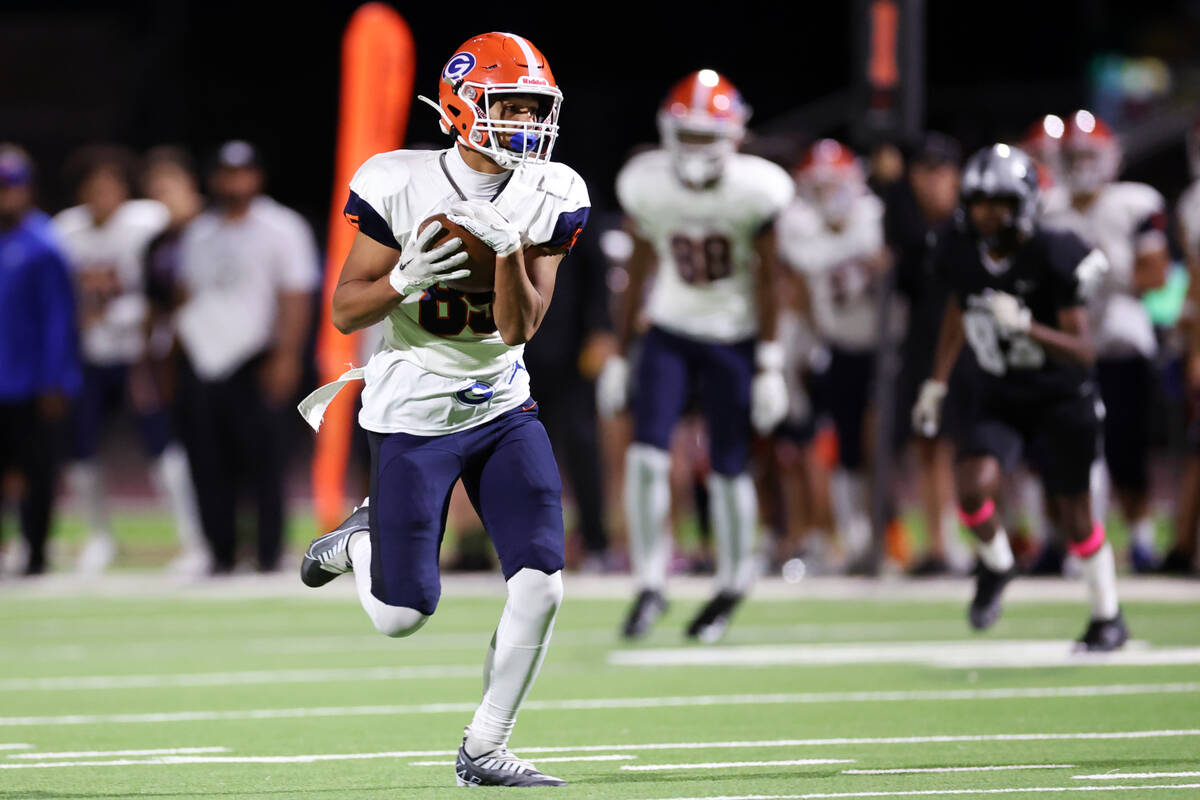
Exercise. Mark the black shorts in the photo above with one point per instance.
(1059, 438)
(1127, 389)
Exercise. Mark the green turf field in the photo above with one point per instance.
(256, 688)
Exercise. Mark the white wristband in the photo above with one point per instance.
(770, 356)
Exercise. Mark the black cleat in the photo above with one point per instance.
(647, 608)
(329, 556)
(709, 625)
(989, 586)
(1103, 635)
(498, 768)
(1176, 562)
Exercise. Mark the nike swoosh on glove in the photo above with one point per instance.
(485, 222)
(421, 265)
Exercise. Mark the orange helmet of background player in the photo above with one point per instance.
(479, 74)
(830, 177)
(702, 121)
(1091, 154)
(1043, 141)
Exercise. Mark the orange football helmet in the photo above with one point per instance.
(830, 177)
(702, 122)
(1043, 141)
(480, 72)
(1091, 154)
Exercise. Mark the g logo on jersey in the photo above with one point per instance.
(458, 66)
(475, 395)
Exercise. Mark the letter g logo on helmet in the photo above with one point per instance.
(458, 66)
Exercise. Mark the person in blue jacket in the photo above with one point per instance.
(39, 354)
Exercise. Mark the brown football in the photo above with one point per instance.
(481, 259)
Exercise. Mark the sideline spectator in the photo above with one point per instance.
(39, 356)
(248, 266)
(105, 237)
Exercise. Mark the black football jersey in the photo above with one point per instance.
(1048, 273)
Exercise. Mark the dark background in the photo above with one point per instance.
(197, 73)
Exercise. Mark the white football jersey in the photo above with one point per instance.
(106, 261)
(704, 241)
(1188, 212)
(835, 265)
(442, 366)
(1124, 219)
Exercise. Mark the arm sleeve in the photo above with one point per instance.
(367, 206)
(59, 369)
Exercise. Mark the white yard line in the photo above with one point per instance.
(604, 704)
(171, 751)
(795, 762)
(243, 678)
(937, 792)
(540, 760)
(954, 653)
(15, 746)
(923, 770)
(1120, 776)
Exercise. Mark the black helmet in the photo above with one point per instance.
(1001, 171)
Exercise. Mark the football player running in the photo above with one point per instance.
(1128, 223)
(702, 214)
(446, 395)
(832, 235)
(1019, 302)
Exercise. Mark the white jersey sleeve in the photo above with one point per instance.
(442, 365)
(704, 241)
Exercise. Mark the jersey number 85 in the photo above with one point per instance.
(981, 333)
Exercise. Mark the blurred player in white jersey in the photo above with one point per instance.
(1128, 223)
(1181, 558)
(701, 213)
(832, 234)
(105, 237)
(447, 392)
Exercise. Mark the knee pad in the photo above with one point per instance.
(397, 621)
(535, 591)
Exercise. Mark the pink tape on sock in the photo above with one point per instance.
(981, 514)
(1091, 544)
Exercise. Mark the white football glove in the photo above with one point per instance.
(486, 222)
(927, 413)
(768, 389)
(612, 387)
(420, 266)
(1011, 315)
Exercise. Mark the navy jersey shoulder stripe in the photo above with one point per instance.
(567, 228)
(363, 216)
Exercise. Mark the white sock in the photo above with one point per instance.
(958, 555)
(733, 506)
(520, 640)
(1032, 502)
(173, 479)
(1100, 572)
(647, 503)
(1141, 533)
(394, 621)
(849, 495)
(87, 484)
(996, 554)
